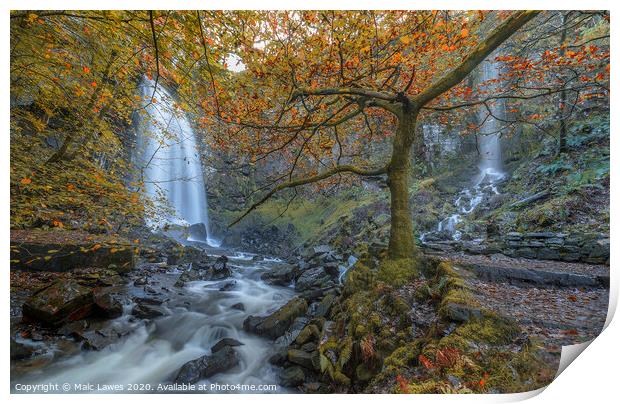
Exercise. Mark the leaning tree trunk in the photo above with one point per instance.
(402, 244)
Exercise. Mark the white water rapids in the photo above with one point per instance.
(199, 315)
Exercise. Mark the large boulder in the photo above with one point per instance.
(281, 274)
(61, 251)
(61, 302)
(276, 324)
(313, 278)
(207, 366)
(197, 232)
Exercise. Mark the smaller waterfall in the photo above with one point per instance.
(490, 167)
(489, 147)
(169, 159)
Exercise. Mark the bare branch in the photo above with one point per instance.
(308, 180)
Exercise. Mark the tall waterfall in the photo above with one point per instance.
(169, 161)
(490, 167)
(490, 130)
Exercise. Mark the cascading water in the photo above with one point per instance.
(169, 160)
(490, 170)
(198, 315)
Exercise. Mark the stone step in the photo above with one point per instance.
(536, 276)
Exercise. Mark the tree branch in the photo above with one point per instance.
(344, 91)
(475, 57)
(156, 52)
(308, 180)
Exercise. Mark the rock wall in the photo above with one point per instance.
(590, 247)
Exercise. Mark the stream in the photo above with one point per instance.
(198, 315)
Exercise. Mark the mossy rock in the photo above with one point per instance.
(490, 329)
(459, 305)
(359, 278)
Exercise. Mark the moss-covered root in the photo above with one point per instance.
(398, 272)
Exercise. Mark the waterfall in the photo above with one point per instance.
(169, 161)
(490, 167)
(489, 147)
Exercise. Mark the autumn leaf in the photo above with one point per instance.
(25, 181)
(85, 69)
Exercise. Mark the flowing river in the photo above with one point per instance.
(199, 314)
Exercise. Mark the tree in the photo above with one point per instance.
(337, 67)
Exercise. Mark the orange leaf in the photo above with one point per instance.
(86, 69)
(94, 84)
(464, 32)
(25, 181)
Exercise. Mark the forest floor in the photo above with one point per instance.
(553, 313)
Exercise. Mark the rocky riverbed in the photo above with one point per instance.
(179, 317)
(186, 315)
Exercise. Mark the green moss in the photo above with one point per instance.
(398, 272)
(513, 372)
(358, 279)
(310, 216)
(402, 358)
(490, 329)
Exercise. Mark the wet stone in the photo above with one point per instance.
(207, 366)
(224, 342)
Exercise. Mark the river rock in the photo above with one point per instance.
(292, 376)
(309, 347)
(146, 311)
(238, 306)
(314, 278)
(224, 342)
(460, 312)
(106, 304)
(220, 270)
(197, 231)
(277, 323)
(322, 308)
(309, 360)
(141, 281)
(97, 340)
(207, 366)
(20, 351)
(279, 357)
(227, 286)
(30, 247)
(62, 301)
(281, 274)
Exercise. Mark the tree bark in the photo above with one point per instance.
(562, 107)
(402, 244)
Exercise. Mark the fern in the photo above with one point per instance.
(346, 349)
